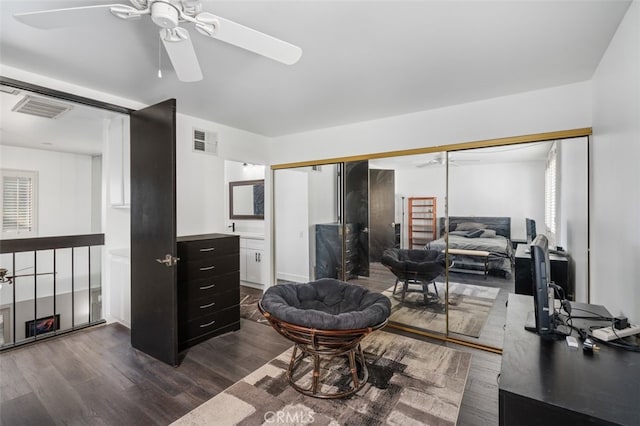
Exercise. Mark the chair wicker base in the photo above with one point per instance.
(321, 344)
(353, 356)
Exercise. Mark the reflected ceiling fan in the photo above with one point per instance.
(168, 15)
(441, 159)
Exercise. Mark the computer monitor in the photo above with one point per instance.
(530, 226)
(542, 291)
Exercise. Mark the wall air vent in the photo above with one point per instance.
(204, 141)
(41, 107)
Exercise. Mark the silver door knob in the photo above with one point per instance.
(168, 260)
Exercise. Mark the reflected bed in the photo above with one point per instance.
(492, 234)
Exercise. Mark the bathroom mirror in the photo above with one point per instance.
(246, 199)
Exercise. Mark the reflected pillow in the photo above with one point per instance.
(475, 233)
(488, 233)
(470, 226)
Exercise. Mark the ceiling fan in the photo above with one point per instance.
(441, 159)
(168, 15)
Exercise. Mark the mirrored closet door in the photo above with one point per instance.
(499, 199)
(465, 216)
(406, 198)
(308, 225)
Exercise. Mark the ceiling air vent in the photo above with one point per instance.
(41, 107)
(9, 90)
(204, 141)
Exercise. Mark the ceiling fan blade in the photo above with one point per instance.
(183, 57)
(69, 17)
(247, 38)
(427, 164)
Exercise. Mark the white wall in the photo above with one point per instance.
(615, 174)
(558, 108)
(96, 194)
(514, 190)
(236, 171)
(478, 190)
(201, 190)
(64, 188)
(116, 220)
(292, 225)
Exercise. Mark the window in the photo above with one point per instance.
(550, 191)
(18, 203)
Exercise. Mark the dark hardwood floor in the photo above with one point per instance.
(94, 377)
(492, 333)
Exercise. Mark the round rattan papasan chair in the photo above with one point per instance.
(420, 267)
(325, 318)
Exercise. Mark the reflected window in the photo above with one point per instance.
(550, 190)
(18, 203)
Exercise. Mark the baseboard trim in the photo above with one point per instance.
(292, 277)
(252, 285)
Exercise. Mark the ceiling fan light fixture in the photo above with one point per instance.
(191, 7)
(165, 14)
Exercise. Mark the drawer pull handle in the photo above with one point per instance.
(207, 324)
(208, 249)
(207, 268)
(207, 305)
(207, 287)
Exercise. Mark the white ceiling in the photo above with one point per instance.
(78, 130)
(361, 60)
(534, 151)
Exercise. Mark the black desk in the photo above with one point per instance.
(544, 382)
(559, 272)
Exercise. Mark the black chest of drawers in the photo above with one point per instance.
(329, 251)
(208, 287)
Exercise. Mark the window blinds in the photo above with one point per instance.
(550, 190)
(17, 203)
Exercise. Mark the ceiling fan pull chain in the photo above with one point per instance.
(159, 57)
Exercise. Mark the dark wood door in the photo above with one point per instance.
(356, 210)
(381, 212)
(153, 231)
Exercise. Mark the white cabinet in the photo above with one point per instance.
(119, 163)
(253, 264)
(120, 287)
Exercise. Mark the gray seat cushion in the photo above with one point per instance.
(425, 265)
(326, 304)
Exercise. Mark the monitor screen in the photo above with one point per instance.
(530, 225)
(542, 292)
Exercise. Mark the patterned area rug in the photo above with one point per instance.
(469, 308)
(411, 382)
(249, 298)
